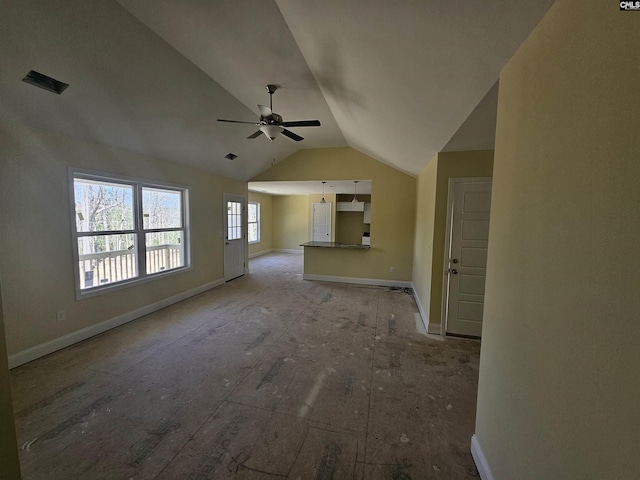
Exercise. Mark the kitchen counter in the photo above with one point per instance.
(352, 246)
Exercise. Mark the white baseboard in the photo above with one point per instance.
(263, 252)
(431, 328)
(423, 314)
(434, 329)
(361, 281)
(481, 461)
(287, 250)
(51, 346)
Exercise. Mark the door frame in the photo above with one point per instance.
(447, 245)
(234, 197)
(313, 220)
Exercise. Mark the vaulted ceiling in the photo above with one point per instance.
(398, 81)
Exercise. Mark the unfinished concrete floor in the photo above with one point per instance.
(268, 376)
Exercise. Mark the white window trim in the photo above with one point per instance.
(138, 183)
(257, 222)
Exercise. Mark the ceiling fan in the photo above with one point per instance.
(271, 123)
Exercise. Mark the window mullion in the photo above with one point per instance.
(105, 232)
(140, 234)
(160, 230)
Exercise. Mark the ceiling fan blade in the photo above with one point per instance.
(302, 123)
(255, 135)
(238, 121)
(265, 111)
(292, 135)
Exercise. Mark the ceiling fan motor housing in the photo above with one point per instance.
(273, 119)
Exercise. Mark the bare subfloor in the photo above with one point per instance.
(268, 376)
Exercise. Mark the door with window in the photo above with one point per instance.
(469, 207)
(235, 236)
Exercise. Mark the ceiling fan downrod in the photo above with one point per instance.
(271, 88)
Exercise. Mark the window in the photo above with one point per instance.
(254, 222)
(234, 220)
(127, 230)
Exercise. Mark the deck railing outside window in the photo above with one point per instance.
(107, 267)
(127, 230)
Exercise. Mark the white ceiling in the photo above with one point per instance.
(306, 187)
(395, 80)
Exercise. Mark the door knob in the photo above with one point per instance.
(454, 271)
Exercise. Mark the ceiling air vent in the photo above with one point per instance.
(231, 156)
(39, 80)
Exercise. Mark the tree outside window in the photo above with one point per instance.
(126, 230)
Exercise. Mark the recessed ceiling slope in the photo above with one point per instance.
(243, 46)
(129, 89)
(401, 77)
(478, 132)
(394, 80)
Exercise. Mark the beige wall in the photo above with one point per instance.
(266, 223)
(425, 217)
(392, 213)
(431, 223)
(559, 382)
(35, 238)
(477, 163)
(290, 221)
(9, 463)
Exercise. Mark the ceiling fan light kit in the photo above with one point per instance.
(271, 124)
(271, 131)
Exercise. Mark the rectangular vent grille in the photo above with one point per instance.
(39, 80)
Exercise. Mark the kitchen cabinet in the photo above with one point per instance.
(367, 213)
(350, 206)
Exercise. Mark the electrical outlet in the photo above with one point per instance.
(392, 269)
(61, 315)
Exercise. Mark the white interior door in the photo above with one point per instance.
(321, 222)
(235, 240)
(469, 207)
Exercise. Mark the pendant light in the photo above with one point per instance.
(323, 200)
(355, 184)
